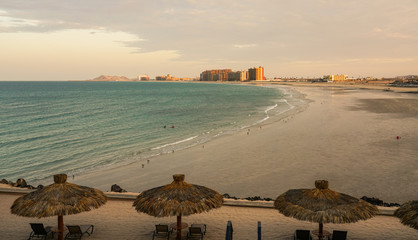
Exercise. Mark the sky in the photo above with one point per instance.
(79, 39)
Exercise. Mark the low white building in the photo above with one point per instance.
(143, 77)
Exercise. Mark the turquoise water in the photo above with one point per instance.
(73, 127)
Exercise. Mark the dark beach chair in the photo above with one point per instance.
(196, 231)
(302, 235)
(338, 235)
(78, 231)
(40, 232)
(162, 230)
(201, 226)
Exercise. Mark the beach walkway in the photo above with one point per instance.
(117, 219)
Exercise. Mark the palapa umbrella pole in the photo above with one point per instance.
(60, 178)
(321, 230)
(179, 227)
(60, 228)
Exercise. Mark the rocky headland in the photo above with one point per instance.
(105, 78)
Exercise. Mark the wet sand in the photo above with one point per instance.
(343, 134)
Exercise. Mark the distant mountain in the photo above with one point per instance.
(104, 78)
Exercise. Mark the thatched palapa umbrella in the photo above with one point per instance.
(408, 213)
(322, 205)
(58, 199)
(177, 199)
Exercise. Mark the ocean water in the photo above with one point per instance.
(74, 127)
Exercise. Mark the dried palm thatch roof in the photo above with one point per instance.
(58, 199)
(323, 205)
(177, 198)
(408, 213)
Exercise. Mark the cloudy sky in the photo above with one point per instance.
(79, 39)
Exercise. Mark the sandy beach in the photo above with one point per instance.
(345, 134)
(117, 219)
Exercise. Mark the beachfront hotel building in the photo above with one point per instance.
(229, 75)
(256, 74)
(164, 78)
(215, 75)
(238, 76)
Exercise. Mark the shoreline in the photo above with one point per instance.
(143, 161)
(264, 146)
(302, 139)
(93, 156)
(297, 104)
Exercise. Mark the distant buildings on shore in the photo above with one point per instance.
(215, 75)
(229, 75)
(168, 77)
(345, 78)
(257, 74)
(143, 78)
(407, 80)
(335, 78)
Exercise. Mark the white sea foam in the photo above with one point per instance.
(290, 106)
(267, 111)
(174, 143)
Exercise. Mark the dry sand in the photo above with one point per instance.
(117, 219)
(343, 134)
